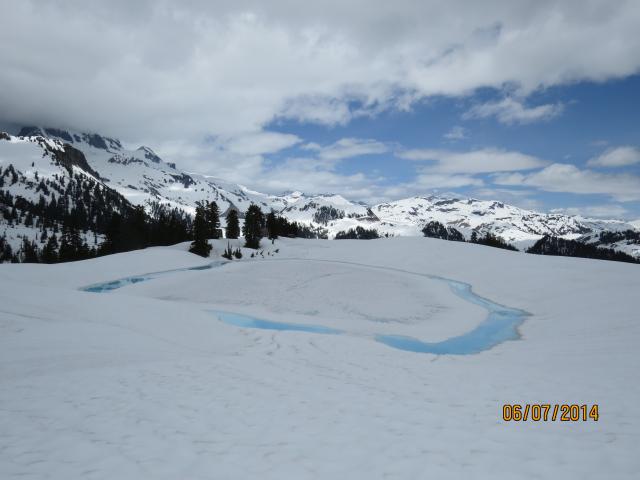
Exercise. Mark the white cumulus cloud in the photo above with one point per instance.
(510, 111)
(475, 161)
(616, 157)
(560, 177)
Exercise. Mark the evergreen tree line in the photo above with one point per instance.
(126, 231)
(491, 240)
(358, 233)
(326, 213)
(83, 207)
(81, 201)
(278, 226)
(628, 236)
(206, 225)
(435, 229)
(438, 230)
(135, 229)
(256, 225)
(65, 226)
(549, 245)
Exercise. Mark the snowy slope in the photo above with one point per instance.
(33, 158)
(146, 382)
(626, 241)
(36, 168)
(142, 177)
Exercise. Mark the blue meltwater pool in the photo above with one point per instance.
(500, 324)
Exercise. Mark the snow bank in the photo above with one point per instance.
(145, 383)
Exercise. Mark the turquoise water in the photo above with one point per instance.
(245, 321)
(104, 287)
(115, 284)
(500, 325)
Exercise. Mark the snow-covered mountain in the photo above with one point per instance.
(143, 178)
(513, 224)
(43, 172)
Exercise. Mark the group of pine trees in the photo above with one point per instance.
(325, 214)
(67, 222)
(278, 226)
(130, 230)
(206, 225)
(73, 214)
(491, 240)
(549, 245)
(438, 230)
(358, 233)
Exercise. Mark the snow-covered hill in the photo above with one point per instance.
(143, 178)
(146, 381)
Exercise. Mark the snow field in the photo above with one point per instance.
(143, 382)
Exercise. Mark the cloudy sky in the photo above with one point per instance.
(536, 103)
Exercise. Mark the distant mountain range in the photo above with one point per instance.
(143, 178)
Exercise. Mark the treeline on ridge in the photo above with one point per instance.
(435, 229)
(547, 245)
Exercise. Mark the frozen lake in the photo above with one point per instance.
(500, 325)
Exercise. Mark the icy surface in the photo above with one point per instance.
(245, 321)
(145, 382)
(500, 325)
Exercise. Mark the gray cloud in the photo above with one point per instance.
(158, 71)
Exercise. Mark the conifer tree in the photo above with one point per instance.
(200, 245)
(213, 219)
(253, 225)
(6, 252)
(29, 251)
(233, 226)
(50, 250)
(111, 243)
(272, 225)
(71, 246)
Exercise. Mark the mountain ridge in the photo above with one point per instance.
(144, 178)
